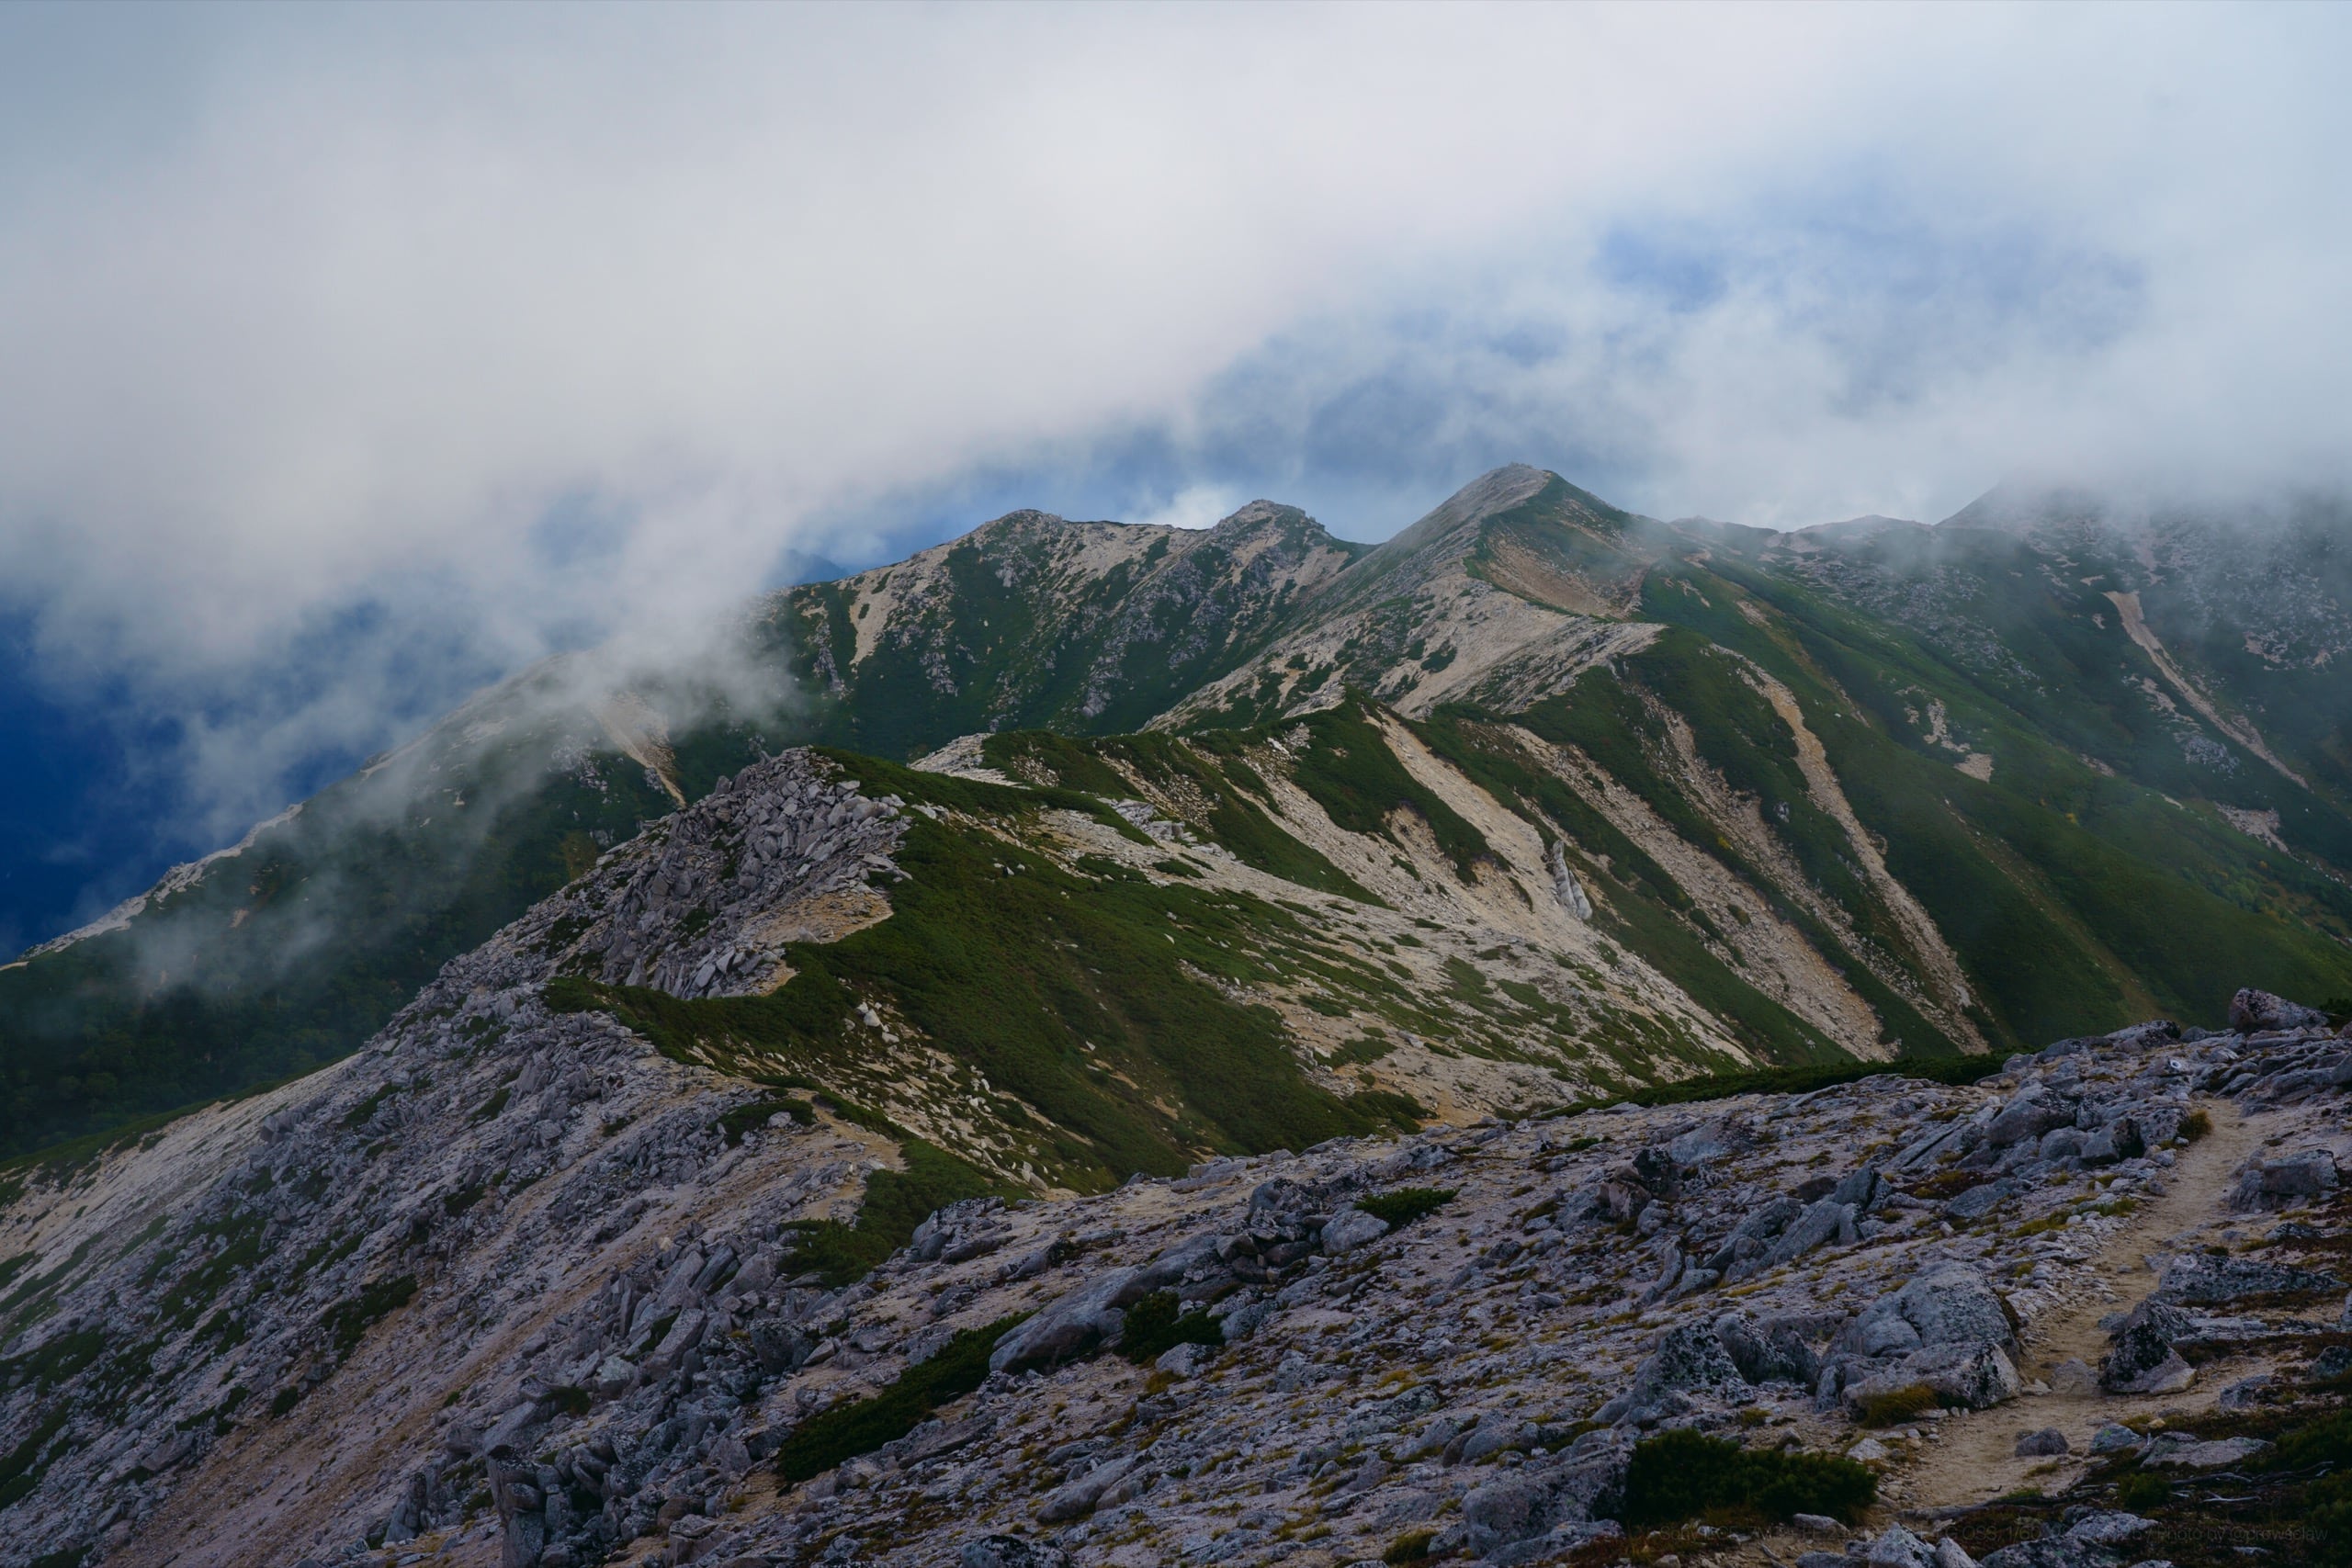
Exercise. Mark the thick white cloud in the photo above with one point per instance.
(305, 309)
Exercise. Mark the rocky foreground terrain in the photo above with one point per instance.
(514, 1285)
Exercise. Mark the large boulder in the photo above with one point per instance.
(2143, 1356)
(2252, 1010)
(1012, 1552)
(2029, 1113)
(1689, 1359)
(1586, 1484)
(1826, 1221)
(1980, 1200)
(1775, 1350)
(2287, 1183)
(1351, 1229)
(2200, 1279)
(1948, 1304)
(1972, 1376)
(1743, 1251)
(1079, 1324)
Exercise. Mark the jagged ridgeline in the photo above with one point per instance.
(1555, 799)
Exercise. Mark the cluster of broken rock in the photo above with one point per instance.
(693, 906)
(1453, 1379)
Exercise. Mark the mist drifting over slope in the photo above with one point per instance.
(358, 358)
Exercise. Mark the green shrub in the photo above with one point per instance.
(2195, 1125)
(896, 1202)
(1405, 1204)
(1155, 1326)
(1898, 1405)
(1681, 1475)
(2324, 1441)
(2328, 1513)
(348, 1321)
(2139, 1493)
(863, 1425)
(1411, 1547)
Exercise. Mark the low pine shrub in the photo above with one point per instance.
(863, 1425)
(1156, 1326)
(1681, 1475)
(1405, 1204)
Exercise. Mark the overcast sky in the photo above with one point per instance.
(350, 356)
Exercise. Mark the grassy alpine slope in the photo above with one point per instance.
(1870, 789)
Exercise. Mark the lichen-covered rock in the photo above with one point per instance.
(1351, 1229)
(1012, 1552)
(2197, 1278)
(1529, 1503)
(2251, 1010)
(1691, 1360)
(2289, 1183)
(2143, 1346)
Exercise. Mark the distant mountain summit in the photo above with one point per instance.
(1601, 800)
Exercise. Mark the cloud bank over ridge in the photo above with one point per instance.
(357, 356)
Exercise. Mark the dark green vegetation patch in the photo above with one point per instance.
(1405, 1204)
(1158, 1324)
(1682, 1475)
(863, 1425)
(348, 1321)
(896, 1202)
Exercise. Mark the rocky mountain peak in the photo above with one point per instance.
(703, 904)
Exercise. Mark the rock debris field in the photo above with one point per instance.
(511, 1287)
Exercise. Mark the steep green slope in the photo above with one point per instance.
(2074, 883)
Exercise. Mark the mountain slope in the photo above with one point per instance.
(598, 1253)
(1865, 788)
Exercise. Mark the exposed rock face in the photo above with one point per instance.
(702, 905)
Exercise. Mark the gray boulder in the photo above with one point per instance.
(1587, 1482)
(2199, 1278)
(1773, 1351)
(1691, 1360)
(2144, 1343)
(2284, 1184)
(1980, 1201)
(1351, 1229)
(1826, 1221)
(1898, 1548)
(1084, 1320)
(1099, 1487)
(1743, 1250)
(1975, 1376)
(2252, 1010)
(1948, 1304)
(2028, 1114)
(2044, 1444)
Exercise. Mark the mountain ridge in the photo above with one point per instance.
(1708, 715)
